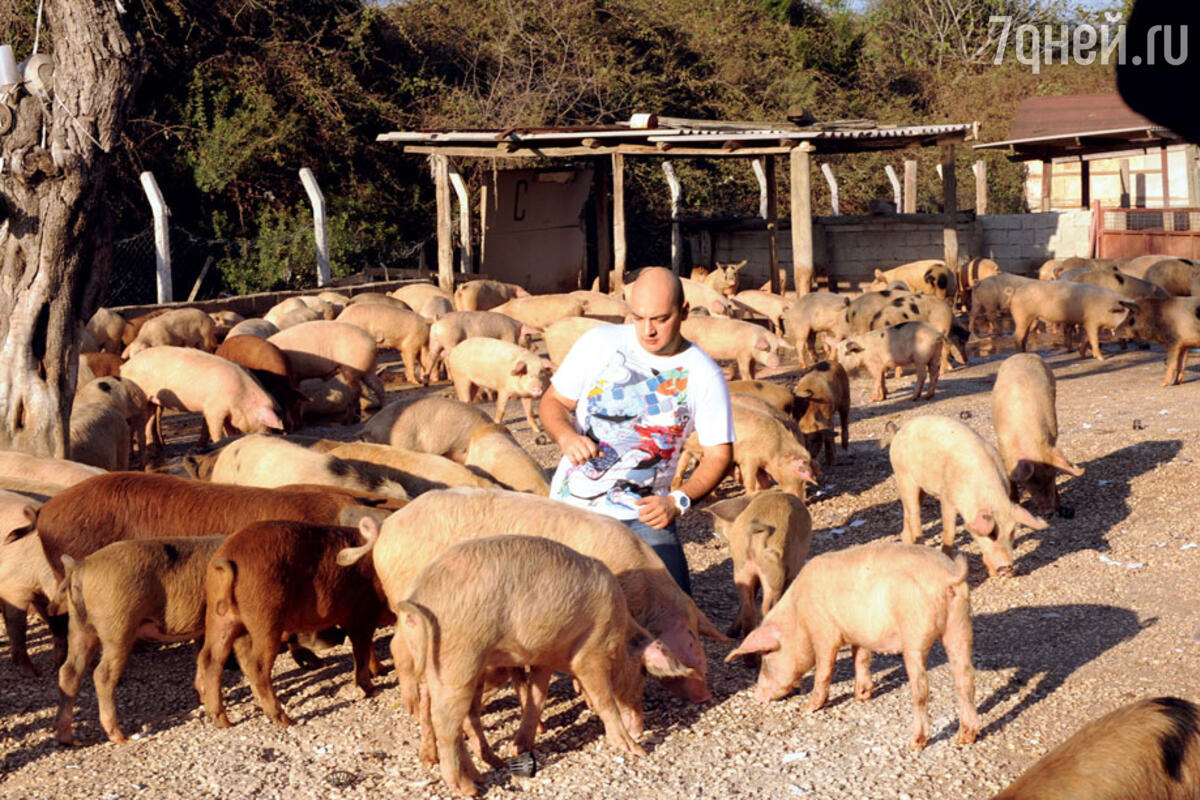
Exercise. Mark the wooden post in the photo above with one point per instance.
(618, 193)
(603, 230)
(949, 207)
(910, 186)
(1047, 184)
(801, 207)
(1126, 192)
(484, 191)
(1166, 179)
(897, 195)
(445, 246)
(676, 189)
(320, 225)
(831, 179)
(465, 254)
(772, 224)
(162, 237)
(1085, 184)
(981, 193)
(760, 174)
(1190, 155)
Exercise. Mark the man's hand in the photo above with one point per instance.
(578, 448)
(657, 510)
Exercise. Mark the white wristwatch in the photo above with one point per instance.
(682, 501)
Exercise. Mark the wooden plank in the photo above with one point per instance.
(445, 244)
(1166, 180)
(1047, 184)
(800, 167)
(602, 178)
(949, 207)
(618, 194)
(1126, 190)
(772, 217)
(1085, 184)
(981, 188)
(910, 186)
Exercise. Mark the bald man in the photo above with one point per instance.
(620, 407)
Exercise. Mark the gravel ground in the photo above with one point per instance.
(1101, 613)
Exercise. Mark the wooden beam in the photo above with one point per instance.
(1085, 184)
(910, 186)
(1126, 192)
(618, 194)
(1166, 179)
(603, 179)
(676, 190)
(949, 207)
(800, 168)
(772, 217)
(445, 245)
(1047, 184)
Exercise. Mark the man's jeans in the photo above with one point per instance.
(664, 543)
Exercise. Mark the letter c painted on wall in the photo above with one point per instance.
(522, 189)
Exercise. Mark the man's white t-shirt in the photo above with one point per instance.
(638, 408)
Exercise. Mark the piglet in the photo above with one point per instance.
(881, 597)
(769, 534)
(26, 579)
(484, 603)
(820, 392)
(1027, 428)
(942, 457)
(915, 344)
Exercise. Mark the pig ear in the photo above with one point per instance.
(520, 368)
(269, 418)
(717, 307)
(1022, 472)
(1062, 463)
(369, 528)
(1128, 304)
(661, 662)
(705, 627)
(1008, 291)
(983, 523)
(1029, 520)
(879, 276)
(761, 344)
(728, 510)
(763, 639)
(854, 347)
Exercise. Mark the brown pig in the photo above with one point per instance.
(106, 328)
(454, 628)
(504, 368)
(394, 329)
(561, 336)
(317, 349)
(821, 391)
(540, 310)
(1173, 322)
(1026, 422)
(911, 344)
(270, 367)
(778, 396)
(100, 365)
(734, 340)
(253, 327)
(1091, 307)
(190, 380)
(972, 272)
(942, 457)
(26, 580)
(145, 590)
(769, 534)
(447, 332)
(273, 579)
(771, 306)
(481, 295)
(415, 535)
(811, 314)
(1179, 277)
(1147, 750)
(882, 597)
(182, 327)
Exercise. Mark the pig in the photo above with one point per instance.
(880, 597)
(699, 296)
(378, 298)
(819, 392)
(191, 380)
(38, 475)
(454, 628)
(927, 276)
(481, 295)
(253, 327)
(1023, 412)
(183, 327)
(271, 368)
(275, 578)
(734, 340)
(1122, 284)
(1071, 303)
(148, 589)
(972, 272)
(1138, 267)
(771, 306)
(1173, 322)
(134, 326)
(991, 298)
(330, 399)
(561, 336)
(290, 311)
(417, 295)
(763, 447)
(456, 326)
(779, 397)
(810, 315)
(394, 329)
(321, 306)
(98, 365)
(602, 306)
(769, 535)
(270, 462)
(435, 308)
(422, 472)
(1178, 277)
(336, 299)
(492, 450)
(725, 278)
(857, 316)
(942, 457)
(926, 308)
(415, 535)
(1147, 749)
(439, 425)
(26, 580)
(504, 368)
(106, 328)
(99, 435)
(126, 397)
(538, 311)
(317, 349)
(915, 344)
(224, 322)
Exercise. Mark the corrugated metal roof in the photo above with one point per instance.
(1077, 123)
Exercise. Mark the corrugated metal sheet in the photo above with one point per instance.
(1069, 120)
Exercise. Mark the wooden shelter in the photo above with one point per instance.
(608, 146)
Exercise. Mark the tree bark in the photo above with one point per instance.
(55, 238)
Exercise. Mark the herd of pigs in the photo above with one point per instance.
(437, 521)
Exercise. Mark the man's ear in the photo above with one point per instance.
(683, 310)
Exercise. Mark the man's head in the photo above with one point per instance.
(658, 309)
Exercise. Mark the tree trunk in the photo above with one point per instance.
(55, 240)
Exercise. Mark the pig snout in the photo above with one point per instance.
(766, 690)
(694, 690)
(999, 564)
(807, 471)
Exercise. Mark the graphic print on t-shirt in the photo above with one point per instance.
(636, 418)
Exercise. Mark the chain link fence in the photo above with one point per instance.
(133, 278)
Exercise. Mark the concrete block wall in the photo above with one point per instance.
(1022, 242)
